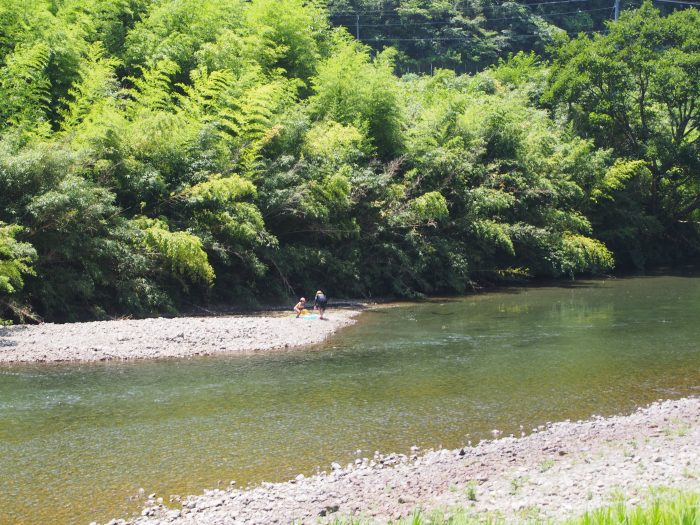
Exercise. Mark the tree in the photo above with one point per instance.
(159, 153)
(25, 90)
(637, 90)
(466, 36)
(350, 88)
(514, 181)
(173, 31)
(16, 260)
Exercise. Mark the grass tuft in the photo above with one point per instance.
(668, 508)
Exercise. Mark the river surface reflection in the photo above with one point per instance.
(78, 441)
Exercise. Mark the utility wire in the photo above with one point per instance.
(543, 3)
(695, 4)
(451, 24)
(466, 37)
(383, 12)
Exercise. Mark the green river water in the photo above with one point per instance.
(78, 441)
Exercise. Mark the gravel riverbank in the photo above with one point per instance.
(164, 338)
(555, 472)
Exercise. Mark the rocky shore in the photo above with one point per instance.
(164, 338)
(554, 472)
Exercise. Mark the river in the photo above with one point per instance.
(77, 442)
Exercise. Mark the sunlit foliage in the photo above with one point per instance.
(156, 154)
(637, 90)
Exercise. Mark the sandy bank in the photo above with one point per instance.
(164, 338)
(557, 472)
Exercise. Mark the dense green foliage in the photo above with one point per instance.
(158, 153)
(466, 35)
(636, 90)
(469, 35)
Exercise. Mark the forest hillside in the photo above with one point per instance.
(160, 154)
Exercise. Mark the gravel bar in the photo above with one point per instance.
(164, 337)
(555, 472)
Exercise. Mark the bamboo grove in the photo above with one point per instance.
(160, 154)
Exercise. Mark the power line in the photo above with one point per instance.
(415, 24)
(547, 3)
(695, 4)
(464, 38)
(394, 12)
(591, 32)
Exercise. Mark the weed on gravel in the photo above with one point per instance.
(667, 508)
